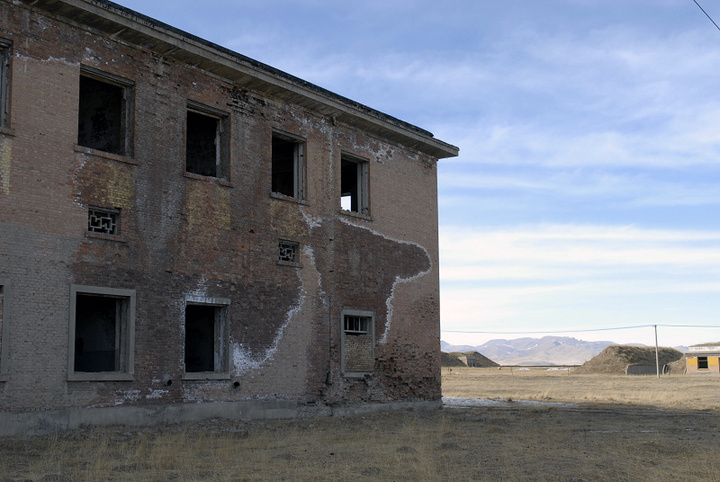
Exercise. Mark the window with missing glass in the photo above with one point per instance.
(206, 142)
(4, 83)
(354, 185)
(288, 165)
(104, 112)
(102, 333)
(206, 339)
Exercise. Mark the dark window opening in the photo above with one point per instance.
(4, 84)
(98, 325)
(353, 186)
(287, 251)
(702, 362)
(104, 221)
(205, 338)
(202, 146)
(357, 324)
(101, 116)
(2, 300)
(287, 167)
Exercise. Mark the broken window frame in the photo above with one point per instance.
(124, 334)
(298, 165)
(4, 327)
(357, 189)
(5, 55)
(221, 344)
(348, 333)
(125, 143)
(221, 141)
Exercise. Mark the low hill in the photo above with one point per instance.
(615, 358)
(453, 359)
(450, 360)
(678, 366)
(548, 350)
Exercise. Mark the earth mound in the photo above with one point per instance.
(615, 358)
(453, 359)
(449, 360)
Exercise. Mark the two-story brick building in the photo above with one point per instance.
(186, 232)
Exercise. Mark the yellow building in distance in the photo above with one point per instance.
(703, 358)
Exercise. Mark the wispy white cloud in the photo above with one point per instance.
(584, 250)
(525, 278)
(589, 148)
(613, 188)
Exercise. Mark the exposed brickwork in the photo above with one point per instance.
(358, 353)
(2, 299)
(184, 235)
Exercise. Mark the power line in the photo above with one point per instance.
(690, 326)
(575, 331)
(706, 14)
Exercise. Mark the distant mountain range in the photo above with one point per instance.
(548, 350)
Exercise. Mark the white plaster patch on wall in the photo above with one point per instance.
(310, 254)
(124, 396)
(242, 360)
(311, 221)
(90, 56)
(199, 393)
(156, 394)
(388, 302)
(246, 362)
(5, 163)
(308, 251)
(181, 308)
(49, 60)
(200, 290)
(76, 182)
(241, 355)
(398, 279)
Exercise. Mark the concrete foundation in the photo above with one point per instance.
(53, 421)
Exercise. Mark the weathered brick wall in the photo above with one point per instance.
(193, 236)
(358, 353)
(2, 299)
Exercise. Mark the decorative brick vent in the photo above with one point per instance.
(103, 221)
(287, 251)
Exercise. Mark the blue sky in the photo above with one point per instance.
(587, 190)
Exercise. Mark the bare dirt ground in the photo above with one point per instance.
(650, 437)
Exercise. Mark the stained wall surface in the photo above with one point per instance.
(709, 364)
(190, 238)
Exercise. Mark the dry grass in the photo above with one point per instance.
(508, 440)
(695, 392)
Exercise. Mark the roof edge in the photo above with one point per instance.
(115, 20)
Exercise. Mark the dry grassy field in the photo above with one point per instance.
(695, 392)
(614, 428)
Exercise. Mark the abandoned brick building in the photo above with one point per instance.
(186, 232)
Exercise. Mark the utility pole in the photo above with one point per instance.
(657, 356)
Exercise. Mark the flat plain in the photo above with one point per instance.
(561, 384)
(534, 424)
